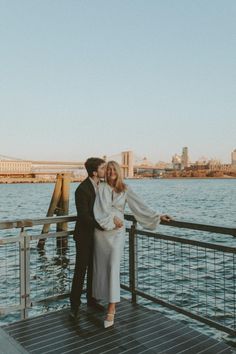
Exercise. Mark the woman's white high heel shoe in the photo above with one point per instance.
(109, 322)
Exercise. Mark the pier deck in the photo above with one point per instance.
(137, 330)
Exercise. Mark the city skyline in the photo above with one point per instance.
(98, 77)
(139, 159)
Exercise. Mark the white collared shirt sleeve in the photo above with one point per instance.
(145, 216)
(103, 208)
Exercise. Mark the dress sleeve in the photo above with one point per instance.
(145, 216)
(103, 208)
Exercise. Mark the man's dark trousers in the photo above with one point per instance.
(84, 263)
(84, 238)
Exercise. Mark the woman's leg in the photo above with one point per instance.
(111, 308)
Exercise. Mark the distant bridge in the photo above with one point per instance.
(128, 161)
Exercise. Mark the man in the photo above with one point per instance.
(84, 233)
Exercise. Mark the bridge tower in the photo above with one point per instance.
(127, 163)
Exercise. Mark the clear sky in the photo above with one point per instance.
(96, 77)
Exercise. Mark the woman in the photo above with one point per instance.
(109, 208)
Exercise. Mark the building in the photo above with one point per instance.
(233, 158)
(214, 164)
(15, 166)
(145, 162)
(161, 165)
(184, 158)
(176, 162)
(202, 161)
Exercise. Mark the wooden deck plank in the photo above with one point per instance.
(137, 330)
(93, 335)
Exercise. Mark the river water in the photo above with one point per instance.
(211, 201)
(206, 201)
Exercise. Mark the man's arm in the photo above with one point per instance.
(83, 210)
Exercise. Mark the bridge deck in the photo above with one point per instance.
(137, 330)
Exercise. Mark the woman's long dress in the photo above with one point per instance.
(109, 244)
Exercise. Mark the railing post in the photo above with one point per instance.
(132, 261)
(24, 273)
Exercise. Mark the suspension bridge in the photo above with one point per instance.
(129, 162)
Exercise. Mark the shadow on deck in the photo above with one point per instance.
(137, 330)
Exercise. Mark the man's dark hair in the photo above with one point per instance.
(92, 165)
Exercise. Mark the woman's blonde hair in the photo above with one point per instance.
(119, 186)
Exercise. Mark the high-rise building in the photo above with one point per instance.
(176, 162)
(233, 157)
(184, 157)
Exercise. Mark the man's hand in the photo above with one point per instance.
(118, 222)
(166, 218)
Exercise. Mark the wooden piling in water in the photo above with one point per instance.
(59, 206)
(63, 209)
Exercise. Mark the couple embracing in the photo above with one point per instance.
(100, 234)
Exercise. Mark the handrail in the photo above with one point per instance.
(202, 227)
(194, 226)
(19, 223)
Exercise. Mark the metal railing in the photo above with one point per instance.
(188, 275)
(30, 275)
(184, 273)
